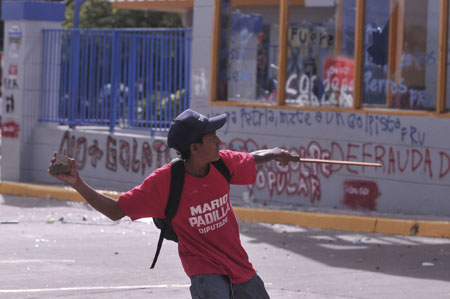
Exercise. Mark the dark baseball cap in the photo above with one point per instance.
(187, 127)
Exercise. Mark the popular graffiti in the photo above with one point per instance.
(118, 154)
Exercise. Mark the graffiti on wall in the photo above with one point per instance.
(117, 154)
(10, 129)
(335, 89)
(368, 124)
(411, 157)
(305, 179)
(10, 82)
(9, 104)
(359, 194)
(200, 84)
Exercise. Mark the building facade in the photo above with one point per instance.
(343, 80)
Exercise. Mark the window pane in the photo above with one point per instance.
(401, 52)
(248, 53)
(320, 68)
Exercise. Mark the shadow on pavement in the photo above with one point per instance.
(419, 257)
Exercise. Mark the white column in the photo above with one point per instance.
(23, 45)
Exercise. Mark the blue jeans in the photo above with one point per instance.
(214, 286)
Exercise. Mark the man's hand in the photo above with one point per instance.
(278, 154)
(284, 157)
(71, 177)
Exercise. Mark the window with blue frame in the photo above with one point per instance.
(365, 54)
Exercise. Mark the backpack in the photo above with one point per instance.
(176, 187)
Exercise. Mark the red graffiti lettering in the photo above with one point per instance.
(303, 186)
(379, 154)
(111, 154)
(161, 148)
(351, 157)
(65, 144)
(444, 170)
(304, 179)
(400, 167)
(415, 164)
(135, 164)
(72, 142)
(124, 154)
(81, 153)
(118, 152)
(428, 163)
(391, 163)
(294, 178)
(75, 148)
(146, 156)
(96, 153)
(338, 153)
(366, 155)
(316, 192)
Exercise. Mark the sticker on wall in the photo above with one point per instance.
(361, 195)
(14, 40)
(10, 81)
(13, 71)
(10, 129)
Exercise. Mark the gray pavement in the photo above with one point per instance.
(61, 249)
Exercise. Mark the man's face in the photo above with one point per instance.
(209, 149)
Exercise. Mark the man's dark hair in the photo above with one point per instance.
(184, 155)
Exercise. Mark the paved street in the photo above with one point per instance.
(60, 249)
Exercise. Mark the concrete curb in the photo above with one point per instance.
(382, 225)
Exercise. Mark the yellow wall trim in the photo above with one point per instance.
(439, 229)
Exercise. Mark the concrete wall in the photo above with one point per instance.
(117, 161)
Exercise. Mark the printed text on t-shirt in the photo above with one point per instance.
(210, 216)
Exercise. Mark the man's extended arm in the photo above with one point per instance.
(281, 155)
(102, 203)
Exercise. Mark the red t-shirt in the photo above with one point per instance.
(207, 228)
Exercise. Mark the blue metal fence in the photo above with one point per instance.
(128, 78)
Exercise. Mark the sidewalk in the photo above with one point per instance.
(347, 222)
(65, 249)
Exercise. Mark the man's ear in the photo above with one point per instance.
(193, 147)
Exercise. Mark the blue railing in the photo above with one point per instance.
(128, 78)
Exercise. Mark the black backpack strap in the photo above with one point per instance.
(176, 187)
(158, 249)
(223, 169)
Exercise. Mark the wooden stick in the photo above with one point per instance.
(355, 163)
